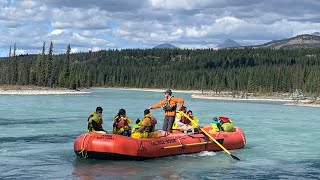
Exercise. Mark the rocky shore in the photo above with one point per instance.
(289, 98)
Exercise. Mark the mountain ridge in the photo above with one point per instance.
(299, 41)
(164, 46)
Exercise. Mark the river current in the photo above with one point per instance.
(37, 134)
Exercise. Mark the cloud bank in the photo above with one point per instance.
(95, 25)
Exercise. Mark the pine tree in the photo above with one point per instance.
(49, 70)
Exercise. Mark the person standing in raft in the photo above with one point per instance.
(147, 127)
(95, 121)
(121, 124)
(169, 105)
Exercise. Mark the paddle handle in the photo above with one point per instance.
(205, 132)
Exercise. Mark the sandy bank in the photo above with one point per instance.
(160, 90)
(21, 90)
(303, 105)
(200, 96)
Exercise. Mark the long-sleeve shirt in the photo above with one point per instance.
(173, 101)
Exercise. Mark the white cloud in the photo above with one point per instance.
(56, 31)
(98, 24)
(195, 32)
(187, 4)
(22, 13)
(79, 18)
(120, 32)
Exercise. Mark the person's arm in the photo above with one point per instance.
(155, 106)
(145, 122)
(129, 120)
(180, 101)
(140, 129)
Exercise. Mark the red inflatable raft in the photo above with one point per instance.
(114, 147)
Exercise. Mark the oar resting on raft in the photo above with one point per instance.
(205, 132)
(191, 144)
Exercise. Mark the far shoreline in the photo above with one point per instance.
(199, 94)
(37, 90)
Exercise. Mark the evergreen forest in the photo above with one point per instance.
(262, 70)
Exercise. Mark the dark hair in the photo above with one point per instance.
(99, 109)
(146, 111)
(183, 108)
(189, 112)
(122, 112)
(137, 121)
(168, 91)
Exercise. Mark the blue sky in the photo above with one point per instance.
(96, 24)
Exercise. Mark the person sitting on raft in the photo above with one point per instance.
(137, 125)
(215, 125)
(190, 125)
(95, 121)
(226, 124)
(147, 127)
(180, 118)
(121, 124)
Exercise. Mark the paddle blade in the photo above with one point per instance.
(234, 157)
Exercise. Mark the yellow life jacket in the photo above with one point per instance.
(214, 128)
(94, 117)
(149, 128)
(227, 127)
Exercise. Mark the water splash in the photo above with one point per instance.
(3, 150)
(207, 153)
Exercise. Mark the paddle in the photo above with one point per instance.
(191, 144)
(228, 152)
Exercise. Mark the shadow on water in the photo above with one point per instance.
(192, 167)
(172, 167)
(103, 169)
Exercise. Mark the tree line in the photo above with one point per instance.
(252, 70)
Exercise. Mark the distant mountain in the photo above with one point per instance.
(229, 43)
(316, 34)
(164, 46)
(300, 41)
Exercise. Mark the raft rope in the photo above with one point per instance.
(83, 151)
(182, 145)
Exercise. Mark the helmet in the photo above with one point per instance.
(168, 91)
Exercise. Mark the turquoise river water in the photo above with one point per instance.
(37, 134)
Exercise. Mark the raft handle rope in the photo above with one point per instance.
(83, 151)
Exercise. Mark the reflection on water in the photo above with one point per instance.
(96, 169)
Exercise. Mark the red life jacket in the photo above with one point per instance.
(123, 122)
(151, 128)
(224, 119)
(153, 121)
(100, 123)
